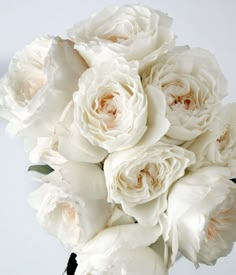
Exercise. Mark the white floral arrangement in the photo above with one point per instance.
(135, 151)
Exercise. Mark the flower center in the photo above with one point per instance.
(223, 140)
(149, 175)
(108, 109)
(177, 96)
(223, 222)
(36, 85)
(71, 213)
(117, 38)
(186, 100)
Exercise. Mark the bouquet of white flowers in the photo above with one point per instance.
(136, 154)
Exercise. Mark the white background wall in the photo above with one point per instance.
(24, 248)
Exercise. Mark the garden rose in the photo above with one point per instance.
(132, 31)
(121, 250)
(139, 179)
(111, 107)
(69, 202)
(202, 213)
(193, 85)
(110, 112)
(218, 145)
(39, 83)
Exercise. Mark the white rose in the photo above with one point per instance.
(111, 106)
(139, 179)
(202, 213)
(70, 202)
(193, 86)
(111, 113)
(218, 145)
(121, 250)
(132, 31)
(39, 83)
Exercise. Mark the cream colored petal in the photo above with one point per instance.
(157, 123)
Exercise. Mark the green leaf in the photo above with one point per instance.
(42, 169)
(233, 180)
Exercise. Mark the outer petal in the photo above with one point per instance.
(121, 250)
(86, 180)
(44, 151)
(72, 144)
(157, 123)
(147, 213)
(138, 261)
(192, 189)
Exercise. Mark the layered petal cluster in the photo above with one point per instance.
(218, 145)
(132, 31)
(202, 213)
(139, 179)
(70, 201)
(111, 113)
(193, 85)
(40, 81)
